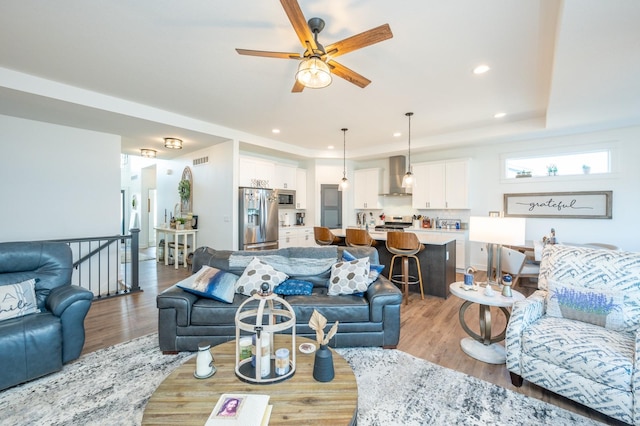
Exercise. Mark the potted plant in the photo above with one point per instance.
(586, 169)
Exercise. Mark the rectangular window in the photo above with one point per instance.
(579, 163)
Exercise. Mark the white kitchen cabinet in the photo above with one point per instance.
(366, 189)
(255, 169)
(429, 187)
(301, 189)
(296, 237)
(284, 177)
(287, 238)
(441, 185)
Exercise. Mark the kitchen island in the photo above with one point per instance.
(437, 260)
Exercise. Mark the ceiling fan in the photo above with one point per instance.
(317, 62)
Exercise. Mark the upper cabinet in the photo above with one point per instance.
(285, 177)
(366, 189)
(441, 185)
(255, 169)
(301, 189)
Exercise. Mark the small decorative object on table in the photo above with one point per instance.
(264, 368)
(506, 283)
(204, 362)
(323, 365)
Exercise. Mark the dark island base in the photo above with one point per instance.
(438, 267)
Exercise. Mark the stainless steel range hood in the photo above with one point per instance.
(397, 169)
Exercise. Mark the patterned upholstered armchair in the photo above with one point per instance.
(578, 336)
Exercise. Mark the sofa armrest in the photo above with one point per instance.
(381, 293)
(181, 301)
(523, 314)
(64, 296)
(71, 304)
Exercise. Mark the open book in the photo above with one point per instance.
(240, 410)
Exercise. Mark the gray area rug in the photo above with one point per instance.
(111, 387)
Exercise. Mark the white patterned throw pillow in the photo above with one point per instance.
(349, 277)
(595, 306)
(256, 273)
(17, 300)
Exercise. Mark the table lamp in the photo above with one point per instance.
(499, 231)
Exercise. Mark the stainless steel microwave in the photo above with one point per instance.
(286, 198)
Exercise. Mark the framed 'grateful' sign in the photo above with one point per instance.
(570, 205)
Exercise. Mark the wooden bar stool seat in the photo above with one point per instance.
(405, 246)
(358, 238)
(324, 236)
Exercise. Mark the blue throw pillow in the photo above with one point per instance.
(374, 270)
(211, 283)
(292, 287)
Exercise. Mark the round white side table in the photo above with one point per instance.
(483, 346)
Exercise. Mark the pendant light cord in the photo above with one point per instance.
(409, 114)
(344, 153)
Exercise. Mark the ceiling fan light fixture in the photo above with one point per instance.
(313, 73)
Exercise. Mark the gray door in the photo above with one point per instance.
(330, 206)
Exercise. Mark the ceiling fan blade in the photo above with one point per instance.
(293, 11)
(348, 74)
(297, 87)
(281, 55)
(358, 41)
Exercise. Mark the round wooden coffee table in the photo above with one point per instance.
(182, 399)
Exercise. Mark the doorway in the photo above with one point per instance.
(330, 206)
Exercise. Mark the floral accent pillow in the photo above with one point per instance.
(349, 277)
(211, 283)
(17, 300)
(256, 273)
(598, 307)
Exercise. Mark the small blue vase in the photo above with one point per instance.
(323, 365)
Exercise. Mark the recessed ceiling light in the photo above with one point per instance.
(397, 134)
(275, 131)
(499, 114)
(330, 147)
(481, 69)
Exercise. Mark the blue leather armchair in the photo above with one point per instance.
(40, 343)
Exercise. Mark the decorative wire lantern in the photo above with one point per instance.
(250, 319)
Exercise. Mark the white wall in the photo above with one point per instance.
(57, 182)
(215, 199)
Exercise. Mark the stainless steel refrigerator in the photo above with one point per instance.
(258, 219)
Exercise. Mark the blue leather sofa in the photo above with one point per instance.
(39, 343)
(185, 319)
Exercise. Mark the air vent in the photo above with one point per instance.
(200, 161)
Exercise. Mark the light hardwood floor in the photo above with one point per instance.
(430, 329)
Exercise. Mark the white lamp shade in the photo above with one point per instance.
(313, 73)
(497, 230)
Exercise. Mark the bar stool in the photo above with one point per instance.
(358, 238)
(405, 246)
(324, 236)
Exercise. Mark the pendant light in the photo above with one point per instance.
(407, 179)
(344, 183)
